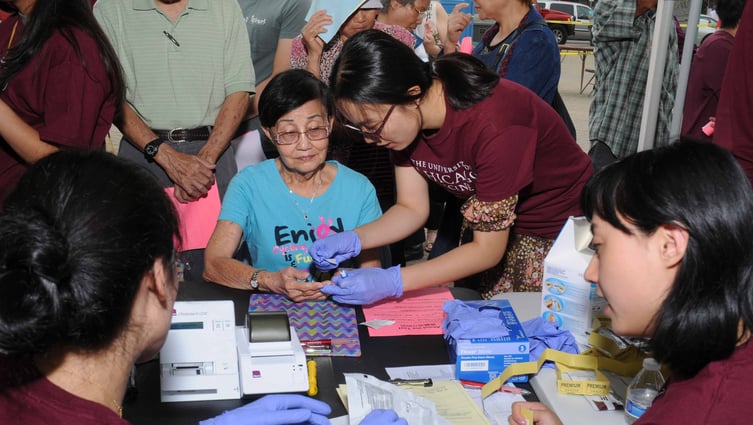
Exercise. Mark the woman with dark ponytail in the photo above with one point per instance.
(490, 142)
(88, 278)
(60, 83)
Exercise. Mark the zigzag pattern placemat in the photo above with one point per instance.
(316, 321)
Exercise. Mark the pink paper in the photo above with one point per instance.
(197, 219)
(415, 313)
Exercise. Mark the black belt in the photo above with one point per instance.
(177, 135)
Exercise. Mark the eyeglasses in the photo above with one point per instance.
(421, 13)
(292, 137)
(376, 134)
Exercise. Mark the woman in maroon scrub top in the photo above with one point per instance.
(60, 83)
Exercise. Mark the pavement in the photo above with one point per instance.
(577, 103)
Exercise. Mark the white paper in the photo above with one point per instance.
(440, 372)
(339, 10)
(366, 393)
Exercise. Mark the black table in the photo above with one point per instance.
(143, 406)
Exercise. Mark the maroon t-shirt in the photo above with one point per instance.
(64, 94)
(510, 143)
(705, 83)
(718, 395)
(26, 397)
(734, 126)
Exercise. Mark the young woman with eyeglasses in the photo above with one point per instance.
(490, 142)
(281, 206)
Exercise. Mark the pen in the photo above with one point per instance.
(420, 382)
(330, 260)
(313, 387)
(171, 38)
(503, 389)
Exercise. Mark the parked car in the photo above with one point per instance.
(555, 20)
(706, 27)
(580, 13)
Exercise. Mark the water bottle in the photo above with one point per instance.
(642, 390)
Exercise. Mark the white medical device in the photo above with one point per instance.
(270, 355)
(199, 360)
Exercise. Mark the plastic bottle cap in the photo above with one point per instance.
(650, 363)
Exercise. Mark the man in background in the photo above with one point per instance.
(622, 34)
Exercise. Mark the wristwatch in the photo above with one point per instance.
(254, 282)
(151, 149)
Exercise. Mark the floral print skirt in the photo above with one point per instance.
(521, 268)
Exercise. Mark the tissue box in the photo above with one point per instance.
(483, 359)
(567, 299)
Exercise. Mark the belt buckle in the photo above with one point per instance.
(170, 135)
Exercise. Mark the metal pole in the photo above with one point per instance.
(662, 26)
(682, 79)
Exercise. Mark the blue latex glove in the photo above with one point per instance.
(465, 321)
(543, 334)
(383, 417)
(339, 247)
(276, 409)
(366, 286)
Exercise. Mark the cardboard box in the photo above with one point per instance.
(567, 299)
(483, 359)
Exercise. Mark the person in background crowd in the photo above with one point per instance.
(673, 260)
(282, 205)
(707, 73)
(520, 46)
(88, 278)
(734, 128)
(271, 26)
(180, 112)
(60, 83)
(622, 36)
(432, 31)
(311, 53)
(178, 123)
(487, 140)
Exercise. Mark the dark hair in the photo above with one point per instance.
(289, 90)
(730, 12)
(700, 187)
(77, 235)
(49, 16)
(375, 68)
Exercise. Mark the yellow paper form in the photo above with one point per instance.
(453, 402)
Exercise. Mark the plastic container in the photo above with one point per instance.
(643, 390)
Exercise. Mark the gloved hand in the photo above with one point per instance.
(383, 417)
(366, 286)
(276, 409)
(340, 247)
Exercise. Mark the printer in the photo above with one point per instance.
(199, 359)
(270, 355)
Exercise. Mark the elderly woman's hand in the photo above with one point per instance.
(312, 29)
(293, 283)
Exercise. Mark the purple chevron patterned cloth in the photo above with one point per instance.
(316, 321)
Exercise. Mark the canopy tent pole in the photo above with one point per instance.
(656, 66)
(682, 80)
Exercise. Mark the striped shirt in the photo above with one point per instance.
(178, 74)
